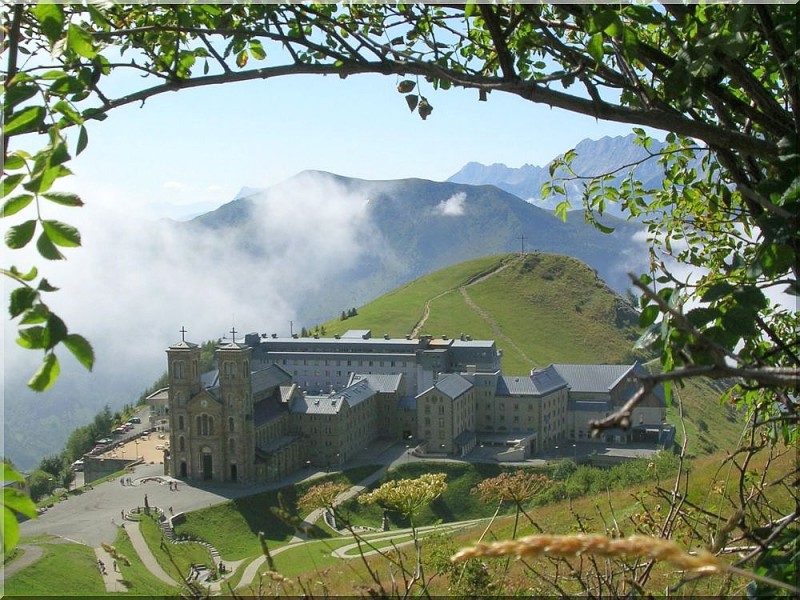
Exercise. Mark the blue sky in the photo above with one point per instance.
(203, 145)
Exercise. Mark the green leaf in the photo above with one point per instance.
(595, 47)
(80, 41)
(46, 375)
(44, 286)
(20, 300)
(18, 236)
(9, 474)
(66, 109)
(411, 100)
(16, 204)
(62, 234)
(717, 291)
(24, 121)
(29, 276)
(18, 93)
(241, 59)
(83, 140)
(64, 198)
(648, 315)
(10, 530)
(19, 501)
(81, 349)
(56, 331)
(43, 180)
(13, 162)
(51, 16)
(31, 338)
(47, 249)
(11, 182)
(38, 314)
(257, 50)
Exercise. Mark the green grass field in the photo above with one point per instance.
(67, 568)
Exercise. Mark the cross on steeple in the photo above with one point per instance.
(183, 333)
(522, 239)
(233, 334)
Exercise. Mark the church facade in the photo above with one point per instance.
(274, 405)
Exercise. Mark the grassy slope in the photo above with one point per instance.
(552, 307)
(542, 310)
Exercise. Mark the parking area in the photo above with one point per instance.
(149, 447)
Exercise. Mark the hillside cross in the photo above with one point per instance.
(522, 239)
(183, 333)
(233, 334)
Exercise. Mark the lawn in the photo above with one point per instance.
(137, 578)
(65, 569)
(232, 527)
(175, 559)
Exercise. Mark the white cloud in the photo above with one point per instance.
(135, 283)
(453, 206)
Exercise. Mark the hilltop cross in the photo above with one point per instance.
(183, 333)
(522, 239)
(233, 334)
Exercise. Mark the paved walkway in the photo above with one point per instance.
(143, 550)
(30, 554)
(112, 578)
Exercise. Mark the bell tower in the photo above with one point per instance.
(233, 360)
(183, 369)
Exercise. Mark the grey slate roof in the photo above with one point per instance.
(378, 381)
(331, 404)
(269, 377)
(592, 378)
(182, 345)
(538, 384)
(210, 379)
(453, 385)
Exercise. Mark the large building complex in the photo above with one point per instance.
(276, 404)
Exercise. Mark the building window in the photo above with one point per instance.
(180, 423)
(230, 424)
(232, 445)
(181, 444)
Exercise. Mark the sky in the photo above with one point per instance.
(135, 282)
(201, 146)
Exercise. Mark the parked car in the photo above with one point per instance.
(77, 465)
(103, 441)
(136, 420)
(119, 430)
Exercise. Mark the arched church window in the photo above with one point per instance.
(210, 425)
(177, 369)
(204, 428)
(199, 422)
(181, 444)
(180, 422)
(230, 424)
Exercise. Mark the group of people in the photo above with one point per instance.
(173, 486)
(125, 481)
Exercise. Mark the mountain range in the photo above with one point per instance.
(594, 157)
(296, 254)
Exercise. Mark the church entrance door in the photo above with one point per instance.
(208, 464)
(234, 473)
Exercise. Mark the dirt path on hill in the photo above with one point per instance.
(498, 334)
(426, 311)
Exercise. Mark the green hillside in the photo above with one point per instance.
(540, 308)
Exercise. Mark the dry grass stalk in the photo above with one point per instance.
(636, 546)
